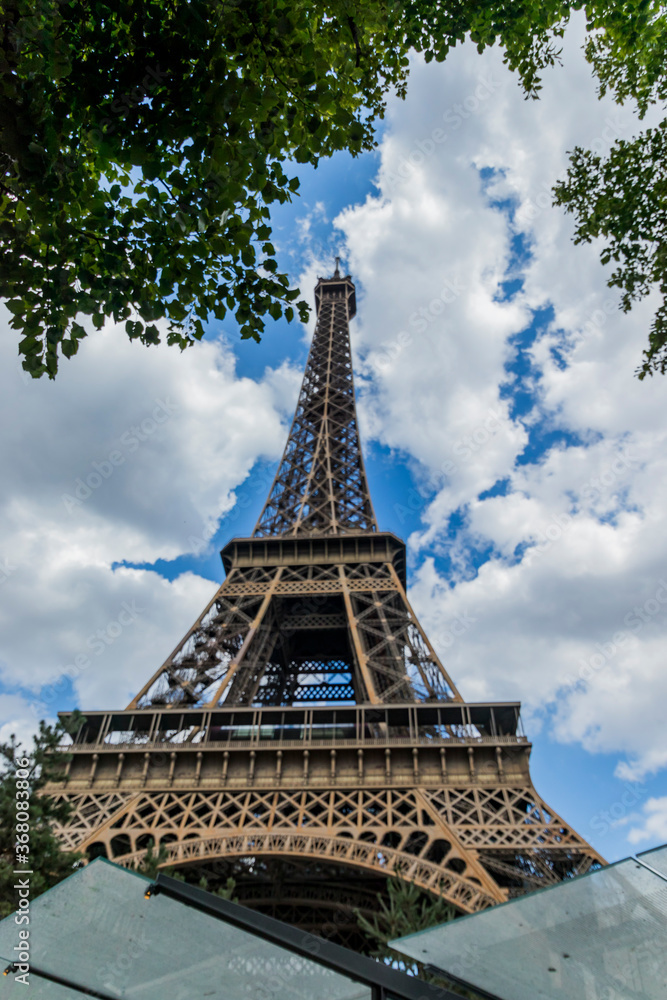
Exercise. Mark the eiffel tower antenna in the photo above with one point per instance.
(304, 736)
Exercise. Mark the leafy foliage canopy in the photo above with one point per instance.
(143, 144)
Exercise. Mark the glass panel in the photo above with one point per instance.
(598, 936)
(97, 930)
(38, 989)
(656, 858)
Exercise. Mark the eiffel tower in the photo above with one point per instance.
(304, 737)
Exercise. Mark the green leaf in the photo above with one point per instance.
(356, 132)
(70, 347)
(176, 310)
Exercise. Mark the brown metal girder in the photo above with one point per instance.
(98, 831)
(146, 688)
(379, 547)
(237, 662)
(465, 895)
(436, 658)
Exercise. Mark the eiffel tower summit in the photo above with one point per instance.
(304, 737)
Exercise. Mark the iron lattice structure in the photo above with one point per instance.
(305, 727)
(320, 487)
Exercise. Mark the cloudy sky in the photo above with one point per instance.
(507, 440)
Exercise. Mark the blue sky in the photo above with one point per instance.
(505, 436)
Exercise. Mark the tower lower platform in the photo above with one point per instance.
(311, 808)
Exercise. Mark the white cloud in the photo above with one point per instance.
(133, 454)
(19, 720)
(654, 822)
